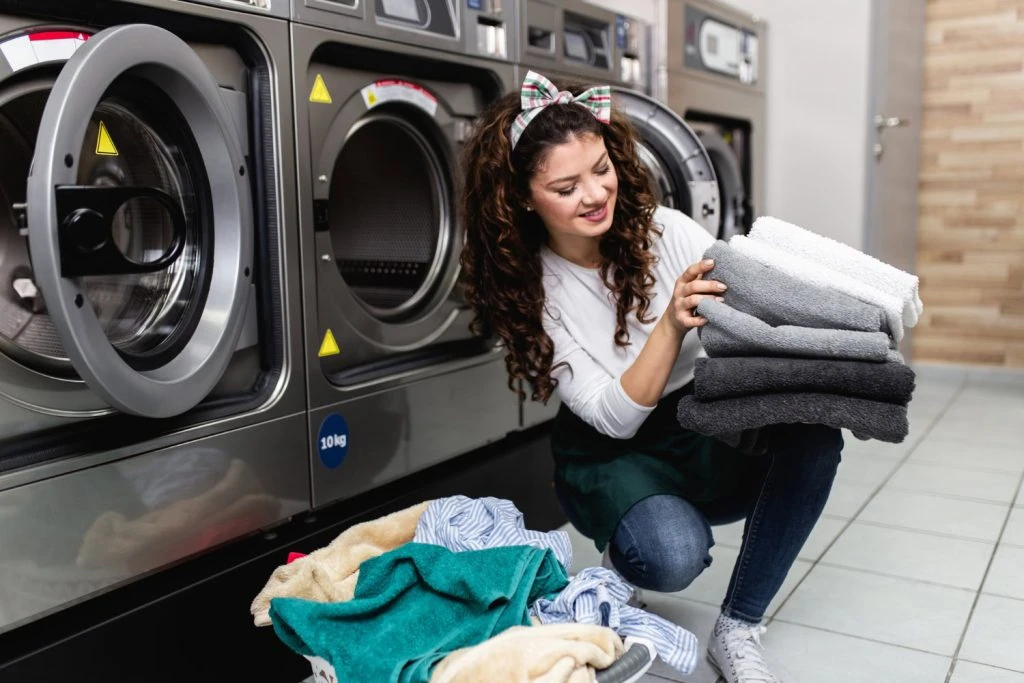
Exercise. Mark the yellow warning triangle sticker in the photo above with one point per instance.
(320, 93)
(371, 99)
(328, 347)
(104, 143)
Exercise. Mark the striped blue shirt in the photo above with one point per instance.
(598, 596)
(460, 523)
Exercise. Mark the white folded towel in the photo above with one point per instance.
(822, 276)
(843, 258)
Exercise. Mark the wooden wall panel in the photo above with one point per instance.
(971, 196)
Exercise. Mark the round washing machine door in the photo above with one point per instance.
(387, 217)
(682, 174)
(138, 218)
(731, 188)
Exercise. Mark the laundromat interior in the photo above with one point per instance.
(234, 326)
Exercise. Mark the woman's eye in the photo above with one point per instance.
(566, 193)
(604, 171)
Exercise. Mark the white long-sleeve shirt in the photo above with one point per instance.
(580, 319)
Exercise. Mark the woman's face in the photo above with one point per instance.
(574, 188)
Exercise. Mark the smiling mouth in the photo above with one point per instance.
(597, 213)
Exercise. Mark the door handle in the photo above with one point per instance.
(883, 122)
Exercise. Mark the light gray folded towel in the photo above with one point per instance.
(728, 417)
(778, 298)
(732, 333)
(716, 378)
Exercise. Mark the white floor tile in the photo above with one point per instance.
(808, 655)
(978, 431)
(911, 555)
(824, 532)
(994, 634)
(958, 454)
(938, 514)
(1006, 577)
(969, 672)
(846, 499)
(887, 609)
(728, 535)
(864, 470)
(954, 481)
(711, 586)
(852, 446)
(1014, 532)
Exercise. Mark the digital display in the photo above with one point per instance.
(406, 10)
(576, 47)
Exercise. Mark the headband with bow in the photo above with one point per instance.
(538, 92)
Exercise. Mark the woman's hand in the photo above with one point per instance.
(689, 290)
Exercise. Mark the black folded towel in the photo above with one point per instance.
(717, 378)
(870, 419)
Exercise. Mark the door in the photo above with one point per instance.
(138, 216)
(681, 170)
(894, 133)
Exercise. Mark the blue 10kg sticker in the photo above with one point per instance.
(332, 441)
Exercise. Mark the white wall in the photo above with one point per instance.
(818, 90)
(647, 10)
(818, 85)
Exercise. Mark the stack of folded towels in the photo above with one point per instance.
(807, 333)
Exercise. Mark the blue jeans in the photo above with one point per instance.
(662, 543)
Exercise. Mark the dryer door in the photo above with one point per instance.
(385, 216)
(731, 188)
(139, 221)
(681, 171)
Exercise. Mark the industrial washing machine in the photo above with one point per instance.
(716, 69)
(386, 93)
(151, 384)
(576, 41)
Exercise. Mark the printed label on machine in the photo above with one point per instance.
(399, 91)
(332, 441)
(104, 143)
(320, 94)
(329, 346)
(39, 47)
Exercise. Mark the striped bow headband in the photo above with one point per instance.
(538, 92)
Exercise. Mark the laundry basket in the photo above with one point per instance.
(628, 668)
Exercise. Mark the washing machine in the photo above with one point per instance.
(386, 94)
(152, 397)
(716, 81)
(572, 40)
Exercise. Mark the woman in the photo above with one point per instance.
(592, 288)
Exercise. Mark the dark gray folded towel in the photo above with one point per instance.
(732, 333)
(778, 298)
(873, 419)
(716, 378)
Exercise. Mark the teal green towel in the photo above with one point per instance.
(415, 605)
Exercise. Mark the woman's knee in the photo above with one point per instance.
(662, 544)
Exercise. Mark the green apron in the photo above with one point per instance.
(599, 477)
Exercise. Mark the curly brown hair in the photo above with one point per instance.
(501, 263)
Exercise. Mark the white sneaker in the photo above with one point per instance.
(736, 652)
(635, 600)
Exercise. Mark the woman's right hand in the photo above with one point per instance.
(689, 290)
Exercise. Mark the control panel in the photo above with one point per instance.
(716, 46)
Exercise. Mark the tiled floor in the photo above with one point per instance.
(916, 572)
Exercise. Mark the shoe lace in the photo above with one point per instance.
(747, 654)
